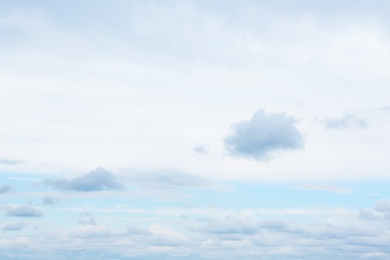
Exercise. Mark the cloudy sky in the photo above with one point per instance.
(194, 129)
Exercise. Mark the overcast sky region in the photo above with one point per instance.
(194, 129)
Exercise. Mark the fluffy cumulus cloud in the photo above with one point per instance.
(347, 121)
(14, 226)
(24, 211)
(264, 134)
(97, 180)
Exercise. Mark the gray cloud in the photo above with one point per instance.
(97, 180)
(263, 134)
(5, 189)
(24, 211)
(347, 121)
(200, 149)
(14, 226)
(50, 200)
(9, 162)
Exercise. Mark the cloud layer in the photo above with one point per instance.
(217, 233)
(264, 134)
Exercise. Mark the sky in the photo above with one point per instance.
(194, 129)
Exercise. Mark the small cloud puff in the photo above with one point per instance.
(200, 149)
(9, 161)
(14, 226)
(97, 180)
(264, 134)
(50, 200)
(5, 189)
(24, 211)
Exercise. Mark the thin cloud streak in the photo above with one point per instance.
(326, 188)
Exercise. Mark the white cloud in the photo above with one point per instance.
(164, 235)
(15, 242)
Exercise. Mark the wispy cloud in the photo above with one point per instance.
(200, 149)
(98, 180)
(166, 179)
(326, 188)
(347, 121)
(9, 161)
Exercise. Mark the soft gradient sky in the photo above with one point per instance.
(194, 129)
